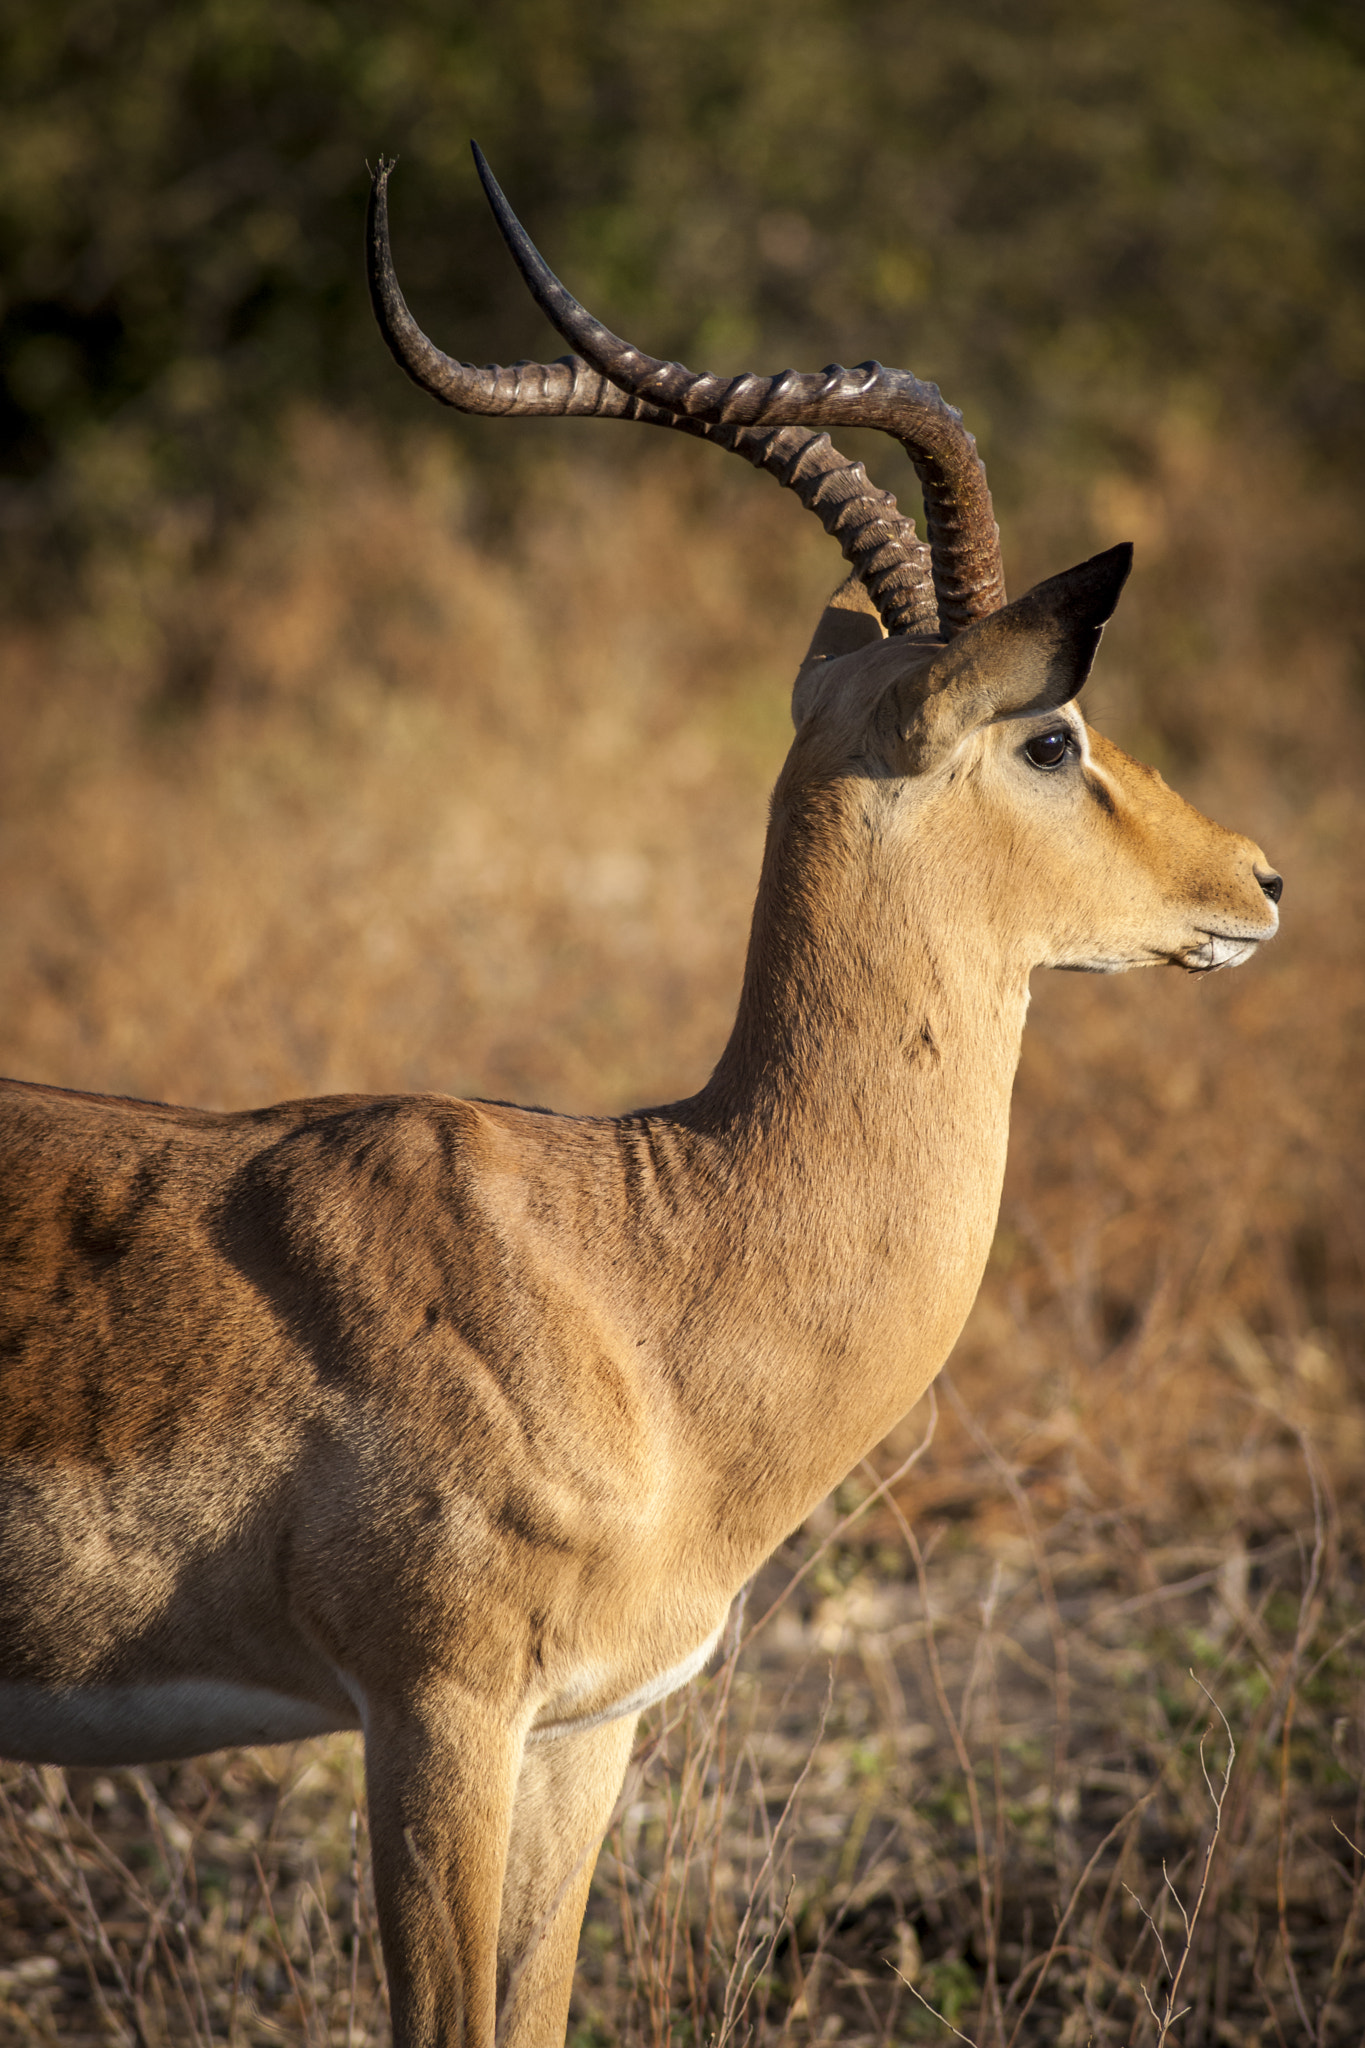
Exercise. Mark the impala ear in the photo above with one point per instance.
(1032, 655)
(848, 622)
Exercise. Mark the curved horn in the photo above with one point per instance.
(963, 536)
(877, 539)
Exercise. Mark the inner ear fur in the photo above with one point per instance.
(1032, 655)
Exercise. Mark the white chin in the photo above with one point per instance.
(1217, 952)
(1099, 966)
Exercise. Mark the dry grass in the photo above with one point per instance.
(362, 807)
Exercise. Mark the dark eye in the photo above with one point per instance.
(1048, 749)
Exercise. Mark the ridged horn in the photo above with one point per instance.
(877, 539)
(963, 537)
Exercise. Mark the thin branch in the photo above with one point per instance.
(1167, 2017)
(956, 2032)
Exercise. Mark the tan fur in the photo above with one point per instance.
(463, 1423)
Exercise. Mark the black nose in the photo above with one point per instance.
(1273, 885)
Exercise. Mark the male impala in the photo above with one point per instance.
(461, 1424)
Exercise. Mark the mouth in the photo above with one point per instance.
(1218, 950)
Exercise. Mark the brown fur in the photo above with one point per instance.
(461, 1422)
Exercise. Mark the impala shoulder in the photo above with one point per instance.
(367, 1160)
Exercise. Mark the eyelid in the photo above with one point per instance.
(1064, 732)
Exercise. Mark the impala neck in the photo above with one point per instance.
(862, 1108)
(880, 1010)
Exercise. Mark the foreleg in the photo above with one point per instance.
(564, 1800)
(441, 1778)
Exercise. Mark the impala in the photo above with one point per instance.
(462, 1424)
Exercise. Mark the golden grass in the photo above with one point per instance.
(369, 805)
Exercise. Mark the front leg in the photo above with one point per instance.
(441, 1777)
(565, 1795)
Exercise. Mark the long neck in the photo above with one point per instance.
(868, 979)
(861, 1112)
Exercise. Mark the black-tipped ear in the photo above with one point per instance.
(1032, 655)
(1072, 610)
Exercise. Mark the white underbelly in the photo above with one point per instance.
(561, 1719)
(140, 1724)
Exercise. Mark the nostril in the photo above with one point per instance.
(1272, 885)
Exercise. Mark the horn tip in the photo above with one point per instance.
(492, 189)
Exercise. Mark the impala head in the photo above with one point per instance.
(1070, 851)
(925, 696)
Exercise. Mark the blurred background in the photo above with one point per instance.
(351, 745)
